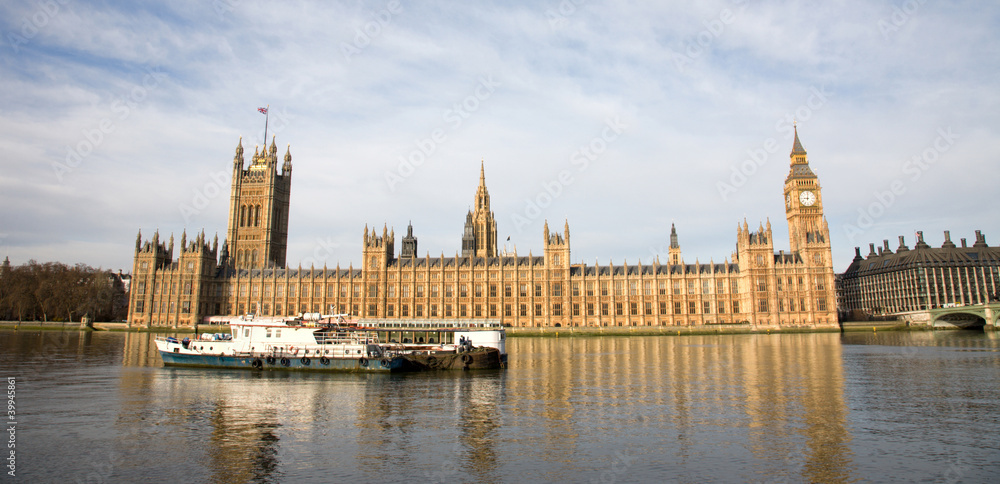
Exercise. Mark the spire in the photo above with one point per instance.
(482, 195)
(238, 159)
(673, 237)
(409, 243)
(224, 253)
(798, 161)
(481, 227)
(797, 148)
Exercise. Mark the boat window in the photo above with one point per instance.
(277, 333)
(267, 334)
(246, 332)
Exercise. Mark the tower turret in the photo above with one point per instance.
(258, 209)
(675, 247)
(409, 248)
(483, 225)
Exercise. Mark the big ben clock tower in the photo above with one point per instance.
(807, 227)
(809, 237)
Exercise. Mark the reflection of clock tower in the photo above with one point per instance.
(807, 228)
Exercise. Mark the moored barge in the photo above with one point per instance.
(340, 343)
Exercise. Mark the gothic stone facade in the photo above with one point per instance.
(247, 273)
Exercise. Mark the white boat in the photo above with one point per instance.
(339, 343)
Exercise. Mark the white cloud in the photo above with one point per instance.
(350, 118)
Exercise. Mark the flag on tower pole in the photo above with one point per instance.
(264, 112)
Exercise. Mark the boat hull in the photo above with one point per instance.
(481, 358)
(263, 363)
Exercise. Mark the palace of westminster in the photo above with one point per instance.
(248, 273)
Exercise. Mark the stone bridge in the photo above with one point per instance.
(974, 316)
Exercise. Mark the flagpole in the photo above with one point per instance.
(267, 115)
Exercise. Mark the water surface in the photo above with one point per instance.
(887, 407)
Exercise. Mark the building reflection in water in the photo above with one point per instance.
(230, 423)
(773, 404)
(756, 407)
(276, 426)
(439, 425)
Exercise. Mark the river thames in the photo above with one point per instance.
(886, 407)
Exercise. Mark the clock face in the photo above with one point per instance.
(807, 198)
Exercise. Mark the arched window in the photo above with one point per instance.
(256, 217)
(253, 258)
(243, 215)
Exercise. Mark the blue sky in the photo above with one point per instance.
(621, 117)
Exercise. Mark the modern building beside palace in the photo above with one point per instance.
(248, 273)
(921, 278)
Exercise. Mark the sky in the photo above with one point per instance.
(620, 118)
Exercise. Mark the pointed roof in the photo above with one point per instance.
(799, 162)
(797, 148)
(673, 237)
(482, 194)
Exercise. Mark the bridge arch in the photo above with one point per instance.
(960, 319)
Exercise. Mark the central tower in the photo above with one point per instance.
(258, 209)
(480, 236)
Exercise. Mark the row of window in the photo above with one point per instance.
(479, 290)
(250, 216)
(783, 283)
(140, 306)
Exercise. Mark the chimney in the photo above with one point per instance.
(948, 244)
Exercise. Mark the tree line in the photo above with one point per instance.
(53, 291)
